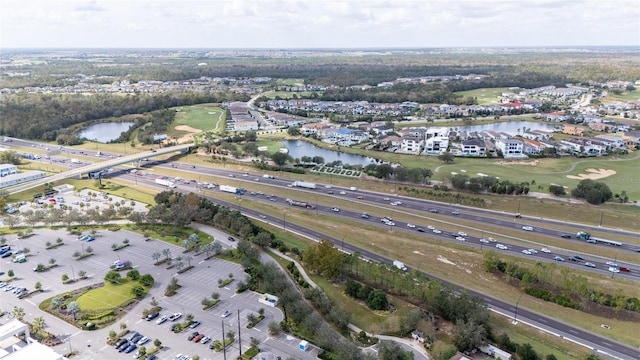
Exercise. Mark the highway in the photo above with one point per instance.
(601, 345)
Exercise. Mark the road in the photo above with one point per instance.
(602, 345)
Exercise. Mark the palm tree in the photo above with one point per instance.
(18, 313)
(39, 323)
(56, 302)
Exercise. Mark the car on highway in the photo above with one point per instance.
(175, 317)
(460, 238)
(462, 233)
(412, 226)
(558, 258)
(330, 192)
(625, 269)
(335, 209)
(611, 263)
(262, 216)
(342, 193)
(502, 247)
(533, 251)
(527, 228)
(526, 252)
(385, 199)
(421, 230)
(226, 314)
(578, 257)
(613, 269)
(436, 231)
(545, 250)
(492, 239)
(455, 212)
(573, 258)
(565, 236)
(590, 264)
(435, 211)
(364, 216)
(359, 197)
(484, 241)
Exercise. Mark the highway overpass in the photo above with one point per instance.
(78, 171)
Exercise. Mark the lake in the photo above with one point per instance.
(298, 149)
(105, 132)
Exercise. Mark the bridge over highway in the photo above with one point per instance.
(98, 166)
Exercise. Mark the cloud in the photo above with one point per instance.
(89, 6)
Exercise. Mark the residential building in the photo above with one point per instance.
(511, 148)
(575, 130)
(411, 144)
(474, 147)
(436, 145)
(418, 336)
(313, 128)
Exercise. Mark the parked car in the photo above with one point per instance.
(123, 346)
(119, 343)
(130, 348)
(152, 316)
(198, 338)
(162, 319)
(192, 335)
(194, 324)
(143, 341)
(226, 313)
(205, 340)
(231, 238)
(175, 316)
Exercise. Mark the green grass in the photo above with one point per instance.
(625, 96)
(272, 146)
(205, 117)
(290, 82)
(485, 96)
(107, 297)
(288, 94)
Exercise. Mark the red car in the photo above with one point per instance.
(198, 338)
(625, 269)
(52, 201)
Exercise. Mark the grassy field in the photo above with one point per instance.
(485, 96)
(287, 94)
(290, 82)
(272, 146)
(205, 117)
(107, 297)
(625, 96)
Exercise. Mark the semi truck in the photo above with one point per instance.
(582, 235)
(400, 265)
(76, 161)
(232, 189)
(165, 182)
(299, 203)
(304, 184)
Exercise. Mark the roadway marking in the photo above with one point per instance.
(76, 333)
(256, 329)
(234, 294)
(104, 347)
(573, 331)
(30, 302)
(543, 320)
(201, 261)
(138, 322)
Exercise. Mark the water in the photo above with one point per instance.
(298, 149)
(510, 127)
(105, 132)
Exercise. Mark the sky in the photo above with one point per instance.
(317, 23)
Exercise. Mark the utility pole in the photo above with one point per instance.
(224, 342)
(239, 335)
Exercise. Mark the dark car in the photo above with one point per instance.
(192, 335)
(123, 346)
(151, 357)
(7, 254)
(230, 238)
(566, 236)
(137, 338)
(421, 230)
(435, 211)
(573, 258)
(133, 334)
(130, 348)
(173, 326)
(152, 316)
(119, 343)
(578, 257)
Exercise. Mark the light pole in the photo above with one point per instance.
(73, 274)
(284, 220)
(601, 217)
(515, 314)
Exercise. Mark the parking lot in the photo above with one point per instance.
(197, 283)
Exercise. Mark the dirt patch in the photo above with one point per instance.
(445, 260)
(507, 162)
(188, 137)
(593, 174)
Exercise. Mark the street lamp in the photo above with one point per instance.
(515, 314)
(284, 220)
(73, 274)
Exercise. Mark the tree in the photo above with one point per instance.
(280, 158)
(138, 291)
(167, 253)
(593, 192)
(147, 280)
(446, 157)
(526, 352)
(10, 273)
(391, 350)
(254, 342)
(550, 357)
(39, 323)
(113, 277)
(56, 302)
(82, 274)
(73, 308)
(157, 343)
(133, 274)
(263, 239)
(557, 190)
(274, 328)
(468, 335)
(156, 256)
(18, 313)
(52, 261)
(38, 286)
(377, 300)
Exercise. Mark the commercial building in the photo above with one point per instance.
(16, 344)
(19, 178)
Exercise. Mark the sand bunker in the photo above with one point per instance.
(593, 174)
(187, 128)
(507, 162)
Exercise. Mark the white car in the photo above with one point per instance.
(411, 226)
(162, 319)
(385, 199)
(395, 203)
(327, 186)
(226, 314)
(526, 252)
(460, 233)
(391, 223)
(460, 238)
(343, 193)
(545, 250)
(436, 231)
(431, 227)
(611, 263)
(335, 209)
(614, 269)
(175, 316)
(143, 341)
(501, 247)
(527, 228)
(533, 251)
(484, 241)
(492, 240)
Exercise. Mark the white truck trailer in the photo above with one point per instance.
(304, 184)
(400, 265)
(165, 182)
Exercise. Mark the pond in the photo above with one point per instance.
(510, 127)
(105, 132)
(298, 149)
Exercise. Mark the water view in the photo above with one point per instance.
(510, 127)
(105, 132)
(298, 149)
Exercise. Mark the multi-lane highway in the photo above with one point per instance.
(597, 343)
